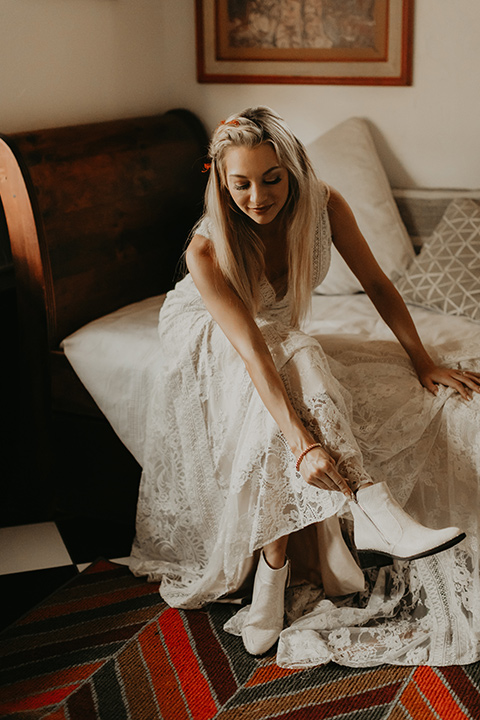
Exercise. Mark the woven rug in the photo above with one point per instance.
(105, 646)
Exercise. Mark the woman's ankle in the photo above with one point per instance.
(275, 553)
(275, 559)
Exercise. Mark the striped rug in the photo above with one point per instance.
(105, 646)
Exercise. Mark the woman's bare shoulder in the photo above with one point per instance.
(200, 254)
(335, 199)
(200, 246)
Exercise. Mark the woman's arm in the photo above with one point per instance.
(354, 249)
(226, 308)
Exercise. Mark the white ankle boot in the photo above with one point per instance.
(264, 621)
(382, 526)
(340, 573)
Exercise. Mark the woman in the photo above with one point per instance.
(249, 440)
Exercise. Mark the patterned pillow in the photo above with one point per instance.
(445, 276)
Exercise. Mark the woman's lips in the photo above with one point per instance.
(261, 210)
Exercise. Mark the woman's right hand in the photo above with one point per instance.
(318, 468)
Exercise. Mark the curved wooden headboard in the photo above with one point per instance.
(97, 216)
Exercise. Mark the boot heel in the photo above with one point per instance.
(368, 560)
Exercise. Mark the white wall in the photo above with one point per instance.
(71, 61)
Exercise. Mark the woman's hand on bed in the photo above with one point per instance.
(465, 382)
(319, 469)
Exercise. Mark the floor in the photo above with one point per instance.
(56, 517)
(38, 558)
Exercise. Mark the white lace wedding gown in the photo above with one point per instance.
(219, 482)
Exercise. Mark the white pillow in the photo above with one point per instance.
(345, 158)
(117, 358)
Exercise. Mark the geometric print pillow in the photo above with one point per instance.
(445, 276)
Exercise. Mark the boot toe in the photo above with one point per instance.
(429, 543)
(257, 641)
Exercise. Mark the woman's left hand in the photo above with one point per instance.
(465, 382)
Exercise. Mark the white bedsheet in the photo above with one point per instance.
(116, 357)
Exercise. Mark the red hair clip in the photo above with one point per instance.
(206, 167)
(230, 122)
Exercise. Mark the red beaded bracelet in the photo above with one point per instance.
(302, 455)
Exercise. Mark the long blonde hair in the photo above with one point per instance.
(238, 248)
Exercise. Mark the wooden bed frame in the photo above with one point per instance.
(97, 217)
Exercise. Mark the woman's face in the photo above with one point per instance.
(257, 183)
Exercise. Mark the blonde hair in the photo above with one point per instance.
(238, 248)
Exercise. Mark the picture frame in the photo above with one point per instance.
(364, 42)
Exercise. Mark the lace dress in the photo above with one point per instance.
(219, 482)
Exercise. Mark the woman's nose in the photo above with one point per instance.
(257, 194)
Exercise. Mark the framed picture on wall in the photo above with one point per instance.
(334, 42)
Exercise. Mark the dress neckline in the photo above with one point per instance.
(270, 296)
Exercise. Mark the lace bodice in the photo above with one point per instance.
(320, 261)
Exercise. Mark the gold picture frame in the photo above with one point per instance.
(330, 42)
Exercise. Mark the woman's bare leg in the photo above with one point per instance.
(275, 551)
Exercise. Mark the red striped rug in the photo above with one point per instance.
(105, 646)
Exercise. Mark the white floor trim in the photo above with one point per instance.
(32, 547)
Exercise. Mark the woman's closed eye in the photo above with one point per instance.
(245, 186)
(274, 181)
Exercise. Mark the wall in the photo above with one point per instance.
(70, 61)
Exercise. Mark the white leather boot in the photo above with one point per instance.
(264, 621)
(340, 573)
(382, 526)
